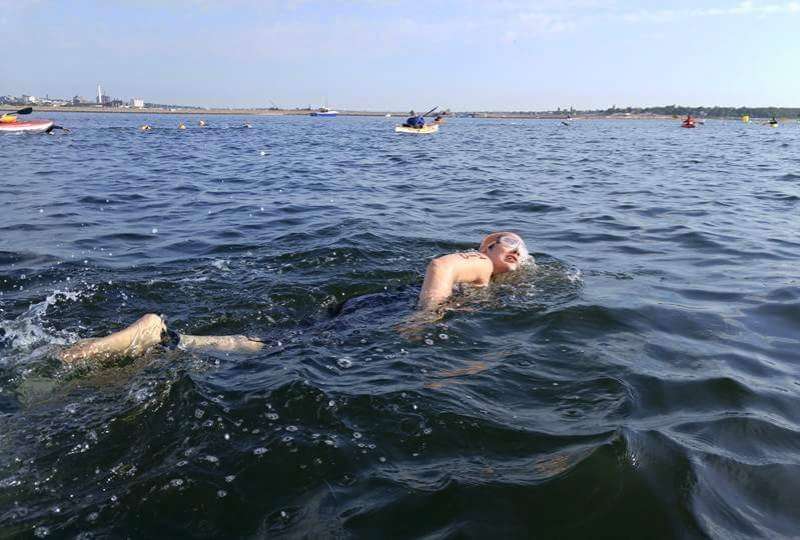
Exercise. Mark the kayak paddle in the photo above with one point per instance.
(26, 110)
(430, 111)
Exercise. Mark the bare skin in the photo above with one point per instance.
(476, 268)
(146, 333)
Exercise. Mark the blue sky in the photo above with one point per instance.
(393, 54)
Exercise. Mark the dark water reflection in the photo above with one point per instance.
(642, 382)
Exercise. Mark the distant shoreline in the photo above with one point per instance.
(307, 112)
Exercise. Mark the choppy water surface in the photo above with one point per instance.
(643, 382)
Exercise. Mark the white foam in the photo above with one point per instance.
(28, 331)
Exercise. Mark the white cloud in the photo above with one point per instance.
(746, 8)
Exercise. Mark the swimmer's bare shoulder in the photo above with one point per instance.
(446, 271)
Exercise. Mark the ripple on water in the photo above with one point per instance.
(642, 377)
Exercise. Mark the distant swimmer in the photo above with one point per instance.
(202, 123)
(773, 122)
(499, 253)
(247, 125)
(181, 126)
(146, 127)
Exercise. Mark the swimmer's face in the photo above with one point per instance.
(505, 250)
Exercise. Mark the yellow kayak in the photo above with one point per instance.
(430, 128)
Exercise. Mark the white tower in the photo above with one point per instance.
(99, 95)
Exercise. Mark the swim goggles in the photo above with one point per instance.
(514, 243)
(509, 242)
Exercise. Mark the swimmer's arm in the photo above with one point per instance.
(444, 272)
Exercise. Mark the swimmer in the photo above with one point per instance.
(499, 252)
(147, 332)
(181, 126)
(202, 123)
(146, 127)
(247, 125)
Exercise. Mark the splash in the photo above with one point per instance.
(28, 330)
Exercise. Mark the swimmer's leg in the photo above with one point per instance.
(234, 343)
(132, 341)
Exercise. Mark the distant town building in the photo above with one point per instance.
(137, 103)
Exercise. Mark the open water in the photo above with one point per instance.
(642, 382)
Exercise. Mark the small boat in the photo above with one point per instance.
(324, 111)
(687, 124)
(430, 128)
(26, 126)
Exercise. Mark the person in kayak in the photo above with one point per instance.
(415, 121)
(689, 119)
(499, 253)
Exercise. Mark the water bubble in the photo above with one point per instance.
(382, 459)
(272, 416)
(291, 428)
(428, 341)
(227, 437)
(221, 493)
(331, 403)
(91, 518)
(356, 435)
(230, 478)
(260, 451)
(199, 413)
(176, 482)
(444, 336)
(155, 230)
(41, 532)
(344, 363)
(212, 459)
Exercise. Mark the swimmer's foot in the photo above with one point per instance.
(235, 343)
(132, 341)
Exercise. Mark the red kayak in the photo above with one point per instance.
(26, 126)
